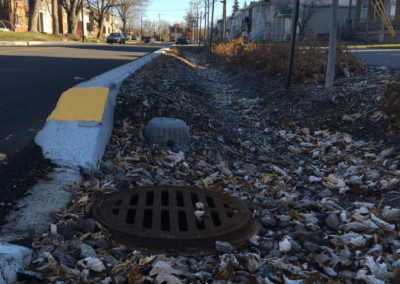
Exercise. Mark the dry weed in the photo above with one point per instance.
(309, 64)
(390, 104)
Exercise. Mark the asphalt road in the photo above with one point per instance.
(33, 78)
(380, 57)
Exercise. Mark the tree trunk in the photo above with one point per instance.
(101, 26)
(33, 15)
(55, 17)
(73, 17)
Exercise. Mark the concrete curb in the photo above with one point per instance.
(71, 137)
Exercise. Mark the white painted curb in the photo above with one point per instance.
(74, 144)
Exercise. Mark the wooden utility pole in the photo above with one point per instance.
(83, 30)
(159, 27)
(295, 16)
(330, 72)
(211, 31)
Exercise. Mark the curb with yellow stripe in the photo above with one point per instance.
(78, 130)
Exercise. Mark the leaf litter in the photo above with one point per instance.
(310, 189)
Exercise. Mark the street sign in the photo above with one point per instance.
(176, 26)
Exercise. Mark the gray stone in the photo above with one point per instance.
(268, 221)
(309, 205)
(292, 258)
(68, 230)
(99, 175)
(121, 171)
(347, 274)
(147, 173)
(107, 166)
(40, 252)
(267, 246)
(75, 247)
(65, 258)
(220, 281)
(305, 236)
(101, 243)
(326, 193)
(110, 260)
(224, 247)
(89, 243)
(120, 177)
(296, 247)
(190, 159)
(311, 246)
(260, 198)
(87, 226)
(61, 248)
(210, 260)
(332, 221)
(12, 259)
(193, 261)
(164, 182)
(87, 251)
(275, 253)
(36, 275)
(313, 220)
(109, 177)
(255, 201)
(158, 179)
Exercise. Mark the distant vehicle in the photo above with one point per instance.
(116, 38)
(135, 37)
(182, 41)
(149, 39)
(162, 39)
(143, 37)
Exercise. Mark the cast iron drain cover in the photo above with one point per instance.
(163, 216)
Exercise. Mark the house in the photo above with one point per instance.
(368, 26)
(272, 19)
(14, 16)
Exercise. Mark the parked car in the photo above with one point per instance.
(116, 37)
(182, 41)
(135, 37)
(162, 39)
(148, 39)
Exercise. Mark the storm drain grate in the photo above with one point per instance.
(163, 216)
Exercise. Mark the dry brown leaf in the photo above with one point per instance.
(135, 276)
(293, 213)
(145, 260)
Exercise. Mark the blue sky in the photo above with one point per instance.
(173, 11)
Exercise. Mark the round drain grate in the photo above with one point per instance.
(163, 217)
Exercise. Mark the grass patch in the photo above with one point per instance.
(31, 36)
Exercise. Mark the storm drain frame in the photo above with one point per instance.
(163, 216)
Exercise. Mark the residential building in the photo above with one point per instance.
(368, 26)
(272, 19)
(14, 16)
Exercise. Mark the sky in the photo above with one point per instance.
(174, 11)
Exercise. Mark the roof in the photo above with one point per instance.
(283, 12)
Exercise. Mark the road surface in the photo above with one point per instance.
(33, 78)
(380, 57)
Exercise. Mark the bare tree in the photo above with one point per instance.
(308, 10)
(128, 8)
(99, 8)
(192, 14)
(73, 8)
(33, 15)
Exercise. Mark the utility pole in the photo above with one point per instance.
(330, 71)
(224, 25)
(295, 16)
(159, 27)
(83, 30)
(208, 23)
(141, 30)
(212, 19)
